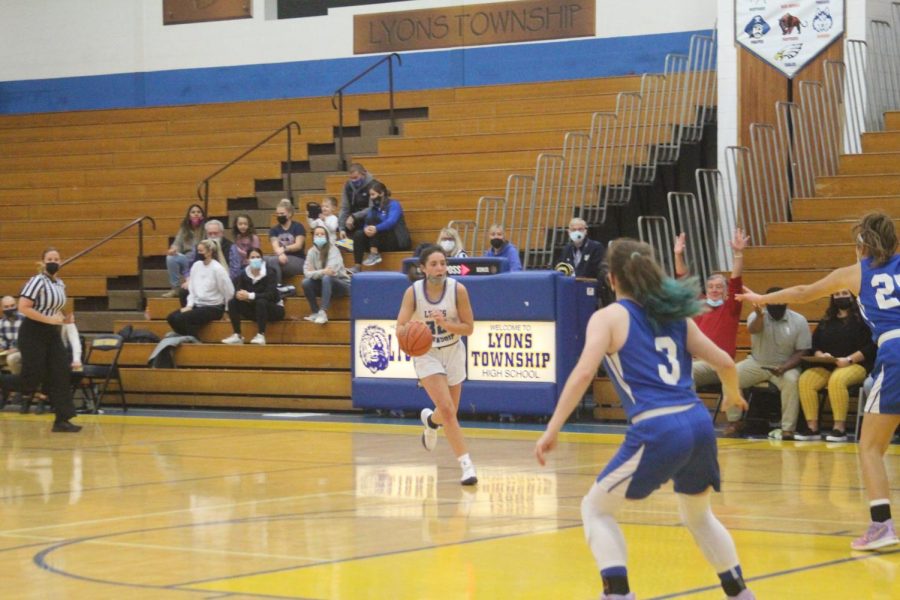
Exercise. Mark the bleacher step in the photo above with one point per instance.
(103, 321)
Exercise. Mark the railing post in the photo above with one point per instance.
(289, 166)
(391, 93)
(206, 198)
(141, 265)
(342, 161)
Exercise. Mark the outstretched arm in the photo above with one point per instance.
(738, 243)
(681, 268)
(845, 278)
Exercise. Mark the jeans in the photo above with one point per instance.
(176, 265)
(326, 287)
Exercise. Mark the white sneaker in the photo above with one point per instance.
(259, 339)
(469, 477)
(233, 339)
(429, 436)
(321, 318)
(373, 259)
(311, 316)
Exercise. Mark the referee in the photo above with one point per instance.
(45, 361)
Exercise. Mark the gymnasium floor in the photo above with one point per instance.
(321, 507)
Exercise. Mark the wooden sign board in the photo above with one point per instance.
(176, 12)
(473, 25)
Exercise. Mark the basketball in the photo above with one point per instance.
(415, 338)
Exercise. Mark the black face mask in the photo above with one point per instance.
(282, 219)
(376, 202)
(776, 311)
(497, 243)
(10, 313)
(52, 268)
(843, 303)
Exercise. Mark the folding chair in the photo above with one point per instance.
(107, 371)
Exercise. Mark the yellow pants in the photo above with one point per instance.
(813, 380)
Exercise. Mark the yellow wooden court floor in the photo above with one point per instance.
(163, 507)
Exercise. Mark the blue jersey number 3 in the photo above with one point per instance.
(670, 373)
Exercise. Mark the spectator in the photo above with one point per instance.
(45, 361)
(354, 201)
(9, 334)
(256, 298)
(723, 314)
(324, 275)
(501, 248)
(385, 228)
(450, 242)
(587, 259)
(215, 231)
(326, 218)
(844, 336)
(177, 261)
(287, 239)
(208, 291)
(243, 235)
(779, 338)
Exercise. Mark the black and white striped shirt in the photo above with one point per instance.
(49, 296)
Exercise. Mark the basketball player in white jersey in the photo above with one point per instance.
(443, 305)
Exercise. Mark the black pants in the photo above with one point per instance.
(385, 241)
(46, 366)
(260, 310)
(190, 322)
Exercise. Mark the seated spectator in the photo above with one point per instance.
(720, 321)
(215, 231)
(256, 298)
(501, 248)
(189, 233)
(326, 217)
(287, 238)
(324, 275)
(209, 289)
(779, 338)
(9, 334)
(354, 201)
(244, 239)
(385, 228)
(451, 243)
(586, 259)
(844, 336)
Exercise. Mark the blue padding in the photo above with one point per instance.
(477, 396)
(516, 296)
(377, 295)
(490, 65)
(479, 265)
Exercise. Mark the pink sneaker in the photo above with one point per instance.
(744, 595)
(628, 596)
(878, 536)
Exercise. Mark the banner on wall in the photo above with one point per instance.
(473, 25)
(513, 351)
(788, 35)
(378, 353)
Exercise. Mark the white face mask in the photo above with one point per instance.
(448, 245)
(576, 236)
(715, 303)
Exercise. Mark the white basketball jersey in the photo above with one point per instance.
(446, 304)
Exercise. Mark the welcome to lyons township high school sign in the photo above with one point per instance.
(473, 25)
(788, 34)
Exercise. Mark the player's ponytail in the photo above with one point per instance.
(876, 237)
(639, 276)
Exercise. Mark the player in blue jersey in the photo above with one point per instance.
(646, 339)
(875, 279)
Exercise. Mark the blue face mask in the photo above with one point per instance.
(320, 241)
(715, 303)
(357, 183)
(256, 263)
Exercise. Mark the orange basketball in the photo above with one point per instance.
(415, 338)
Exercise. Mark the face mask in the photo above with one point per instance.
(715, 303)
(282, 219)
(320, 241)
(195, 221)
(497, 243)
(436, 279)
(448, 245)
(576, 236)
(358, 183)
(256, 263)
(776, 311)
(52, 268)
(376, 202)
(843, 303)
(10, 313)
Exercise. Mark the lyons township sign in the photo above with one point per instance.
(788, 34)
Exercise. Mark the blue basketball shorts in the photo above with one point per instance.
(680, 446)
(885, 395)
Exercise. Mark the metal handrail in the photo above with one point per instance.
(140, 256)
(339, 94)
(203, 186)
